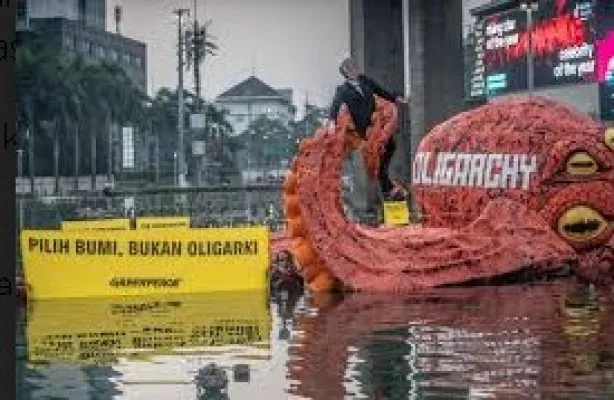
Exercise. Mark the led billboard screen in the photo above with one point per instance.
(562, 40)
(605, 57)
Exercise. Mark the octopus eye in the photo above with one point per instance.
(609, 138)
(581, 223)
(581, 163)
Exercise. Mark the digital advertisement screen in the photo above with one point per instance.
(562, 40)
(605, 57)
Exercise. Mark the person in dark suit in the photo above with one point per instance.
(358, 92)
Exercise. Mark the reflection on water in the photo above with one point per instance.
(538, 341)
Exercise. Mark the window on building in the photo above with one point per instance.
(126, 58)
(127, 148)
(240, 118)
(152, 154)
(22, 10)
(100, 51)
(139, 61)
(113, 54)
(68, 42)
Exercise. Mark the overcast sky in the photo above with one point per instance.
(287, 43)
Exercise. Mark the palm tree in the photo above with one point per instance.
(76, 68)
(35, 70)
(70, 103)
(199, 44)
(63, 93)
(49, 97)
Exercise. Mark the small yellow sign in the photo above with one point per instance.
(113, 224)
(396, 213)
(101, 330)
(59, 264)
(163, 223)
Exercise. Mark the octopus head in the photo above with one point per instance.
(550, 158)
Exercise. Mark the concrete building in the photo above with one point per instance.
(415, 47)
(91, 13)
(80, 26)
(252, 98)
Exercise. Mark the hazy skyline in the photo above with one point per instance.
(287, 43)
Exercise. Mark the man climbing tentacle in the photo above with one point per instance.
(358, 94)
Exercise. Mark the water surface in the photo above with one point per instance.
(547, 341)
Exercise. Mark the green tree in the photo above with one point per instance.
(199, 44)
(162, 116)
(60, 96)
(266, 144)
(306, 126)
(49, 101)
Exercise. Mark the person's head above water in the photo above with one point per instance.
(349, 69)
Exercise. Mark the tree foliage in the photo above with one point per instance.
(68, 105)
(163, 118)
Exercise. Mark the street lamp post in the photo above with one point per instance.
(175, 175)
(30, 139)
(19, 162)
(19, 174)
(180, 122)
(530, 7)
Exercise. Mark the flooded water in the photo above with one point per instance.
(553, 341)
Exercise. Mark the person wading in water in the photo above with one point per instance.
(358, 94)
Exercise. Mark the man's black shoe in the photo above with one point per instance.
(394, 195)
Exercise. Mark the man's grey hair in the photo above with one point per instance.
(348, 64)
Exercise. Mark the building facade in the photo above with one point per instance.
(73, 35)
(251, 99)
(91, 13)
(264, 156)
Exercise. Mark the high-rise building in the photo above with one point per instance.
(91, 13)
(80, 26)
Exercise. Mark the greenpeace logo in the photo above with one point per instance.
(145, 282)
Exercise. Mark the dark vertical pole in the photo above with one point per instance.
(198, 40)
(76, 157)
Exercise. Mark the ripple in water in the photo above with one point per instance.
(514, 342)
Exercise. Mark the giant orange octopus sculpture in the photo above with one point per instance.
(519, 185)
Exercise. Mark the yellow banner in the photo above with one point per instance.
(163, 223)
(60, 264)
(396, 213)
(100, 330)
(115, 224)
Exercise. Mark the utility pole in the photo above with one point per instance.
(180, 122)
(196, 48)
(118, 18)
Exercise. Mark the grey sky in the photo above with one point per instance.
(288, 43)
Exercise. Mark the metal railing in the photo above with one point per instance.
(206, 207)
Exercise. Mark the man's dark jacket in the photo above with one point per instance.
(361, 106)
